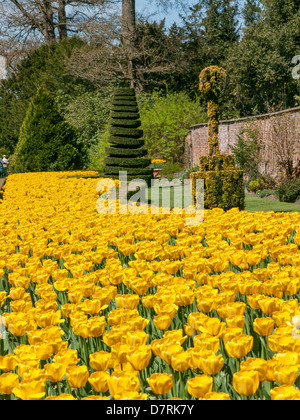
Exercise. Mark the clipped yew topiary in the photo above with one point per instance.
(126, 151)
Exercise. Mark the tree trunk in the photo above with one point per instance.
(128, 35)
(62, 20)
(49, 24)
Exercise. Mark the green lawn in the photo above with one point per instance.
(262, 204)
(252, 203)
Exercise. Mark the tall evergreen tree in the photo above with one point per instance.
(46, 141)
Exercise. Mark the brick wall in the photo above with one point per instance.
(196, 144)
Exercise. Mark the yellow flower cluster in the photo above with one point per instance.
(158, 161)
(143, 306)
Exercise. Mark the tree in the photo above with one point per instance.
(44, 65)
(46, 141)
(49, 20)
(260, 65)
(126, 152)
(251, 12)
(157, 59)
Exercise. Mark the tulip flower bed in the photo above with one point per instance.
(124, 306)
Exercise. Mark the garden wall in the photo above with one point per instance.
(267, 126)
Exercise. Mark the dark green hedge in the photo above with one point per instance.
(124, 102)
(126, 142)
(117, 151)
(117, 108)
(126, 132)
(125, 123)
(124, 92)
(127, 161)
(114, 170)
(125, 115)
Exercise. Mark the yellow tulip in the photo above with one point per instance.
(61, 397)
(120, 382)
(8, 381)
(239, 346)
(55, 371)
(216, 396)
(100, 361)
(284, 393)
(246, 382)
(200, 385)
(30, 390)
(77, 376)
(263, 326)
(286, 375)
(181, 361)
(98, 381)
(162, 322)
(140, 358)
(160, 383)
(211, 363)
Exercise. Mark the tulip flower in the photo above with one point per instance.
(200, 385)
(286, 375)
(120, 382)
(98, 381)
(216, 396)
(55, 371)
(263, 326)
(8, 381)
(160, 383)
(246, 382)
(77, 376)
(61, 397)
(284, 393)
(162, 322)
(239, 346)
(211, 363)
(140, 358)
(181, 361)
(100, 361)
(30, 390)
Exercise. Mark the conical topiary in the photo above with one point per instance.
(126, 151)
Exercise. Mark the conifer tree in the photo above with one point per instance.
(46, 141)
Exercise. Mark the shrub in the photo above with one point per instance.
(289, 190)
(171, 168)
(260, 184)
(166, 120)
(264, 193)
(46, 141)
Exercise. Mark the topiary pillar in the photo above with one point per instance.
(126, 151)
(223, 184)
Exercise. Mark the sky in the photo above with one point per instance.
(149, 7)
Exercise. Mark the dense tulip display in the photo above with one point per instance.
(143, 306)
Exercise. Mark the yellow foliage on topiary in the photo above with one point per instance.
(223, 184)
(212, 82)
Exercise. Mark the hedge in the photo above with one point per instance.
(116, 151)
(125, 115)
(129, 162)
(124, 123)
(223, 184)
(126, 132)
(126, 142)
(127, 151)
